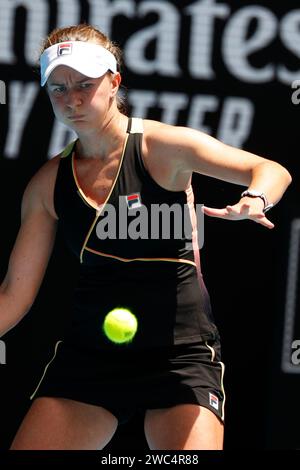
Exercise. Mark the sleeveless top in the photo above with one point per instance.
(138, 250)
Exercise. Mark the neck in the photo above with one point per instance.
(103, 141)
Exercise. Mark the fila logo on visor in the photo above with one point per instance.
(64, 48)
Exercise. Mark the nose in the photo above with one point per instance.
(73, 99)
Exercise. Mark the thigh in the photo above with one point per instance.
(183, 427)
(63, 424)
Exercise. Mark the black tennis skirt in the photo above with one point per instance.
(127, 381)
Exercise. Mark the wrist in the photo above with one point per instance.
(254, 193)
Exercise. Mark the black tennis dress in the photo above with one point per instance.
(139, 250)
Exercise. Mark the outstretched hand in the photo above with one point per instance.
(252, 210)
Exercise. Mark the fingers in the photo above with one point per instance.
(238, 212)
(239, 209)
(245, 210)
(262, 219)
(229, 212)
(212, 212)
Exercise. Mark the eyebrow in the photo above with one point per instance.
(77, 82)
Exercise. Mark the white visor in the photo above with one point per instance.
(87, 58)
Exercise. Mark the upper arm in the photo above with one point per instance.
(210, 157)
(33, 246)
(189, 150)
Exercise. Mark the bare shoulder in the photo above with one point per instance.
(170, 144)
(40, 189)
(165, 148)
(178, 138)
(158, 131)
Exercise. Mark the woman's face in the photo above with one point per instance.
(79, 101)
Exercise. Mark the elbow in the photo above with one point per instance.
(286, 176)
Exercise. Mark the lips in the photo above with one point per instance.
(77, 117)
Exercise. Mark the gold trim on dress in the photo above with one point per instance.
(94, 206)
(45, 370)
(128, 260)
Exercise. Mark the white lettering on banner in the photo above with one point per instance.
(200, 106)
(2, 352)
(60, 137)
(295, 95)
(37, 15)
(295, 358)
(237, 47)
(102, 12)
(141, 101)
(203, 14)
(167, 36)
(290, 364)
(166, 32)
(171, 104)
(290, 34)
(67, 13)
(235, 121)
(2, 92)
(236, 115)
(21, 99)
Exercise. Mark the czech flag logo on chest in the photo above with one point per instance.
(133, 201)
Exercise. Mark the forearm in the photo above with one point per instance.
(270, 178)
(267, 182)
(12, 310)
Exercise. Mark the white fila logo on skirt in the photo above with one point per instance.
(214, 401)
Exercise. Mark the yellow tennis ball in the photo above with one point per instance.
(120, 325)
